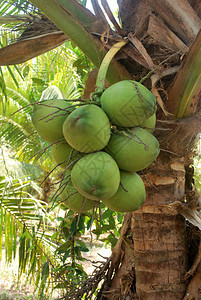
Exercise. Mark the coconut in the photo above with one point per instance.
(48, 117)
(96, 176)
(128, 103)
(87, 129)
(150, 123)
(74, 200)
(63, 154)
(130, 195)
(133, 151)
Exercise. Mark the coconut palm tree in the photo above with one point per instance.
(158, 253)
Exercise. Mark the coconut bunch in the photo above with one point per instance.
(101, 145)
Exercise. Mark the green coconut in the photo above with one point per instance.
(96, 176)
(128, 103)
(133, 151)
(150, 123)
(48, 117)
(63, 154)
(87, 129)
(130, 195)
(73, 200)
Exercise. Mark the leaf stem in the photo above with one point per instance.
(100, 82)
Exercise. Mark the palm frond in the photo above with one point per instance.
(19, 102)
(7, 8)
(52, 69)
(14, 201)
(15, 7)
(2, 83)
(14, 135)
(17, 169)
(22, 215)
(18, 131)
(7, 37)
(51, 92)
(10, 19)
(8, 34)
(67, 86)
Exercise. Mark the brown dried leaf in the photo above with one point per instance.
(159, 100)
(24, 50)
(157, 76)
(193, 215)
(142, 51)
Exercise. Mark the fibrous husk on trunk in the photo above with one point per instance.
(177, 136)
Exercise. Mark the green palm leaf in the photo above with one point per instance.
(13, 7)
(7, 36)
(18, 131)
(15, 136)
(19, 99)
(25, 216)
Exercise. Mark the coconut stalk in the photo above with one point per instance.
(186, 90)
(102, 73)
(91, 47)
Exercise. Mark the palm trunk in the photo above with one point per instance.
(159, 235)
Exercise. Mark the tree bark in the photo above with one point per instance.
(159, 235)
(184, 22)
